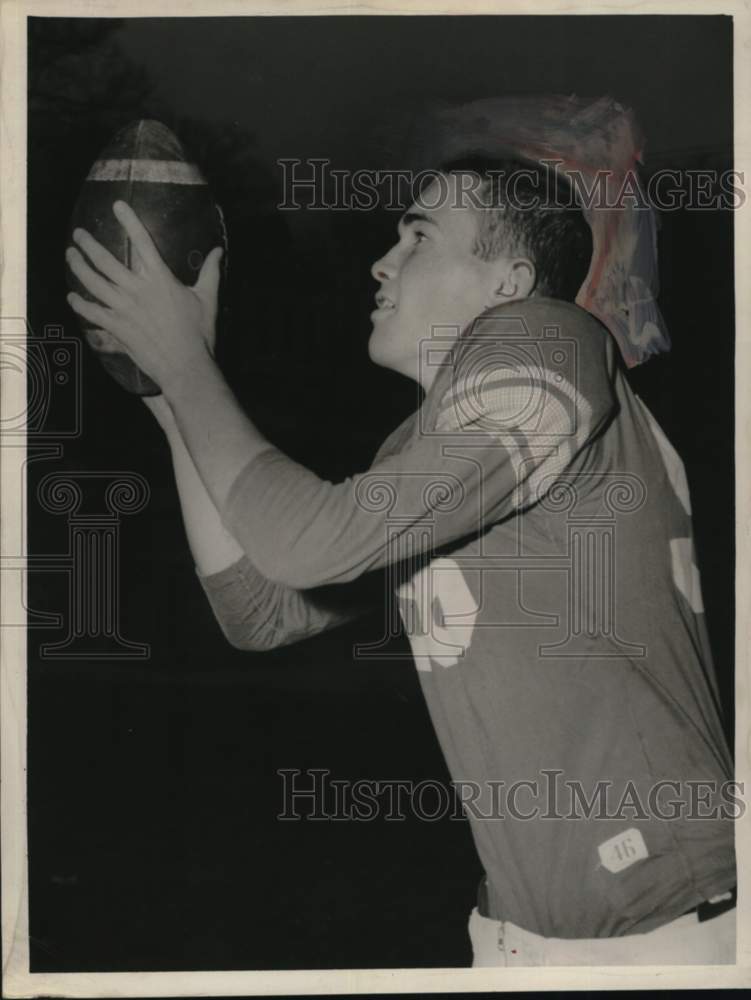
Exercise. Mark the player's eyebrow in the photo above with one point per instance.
(410, 218)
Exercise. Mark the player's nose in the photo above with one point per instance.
(384, 268)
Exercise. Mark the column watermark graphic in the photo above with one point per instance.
(92, 560)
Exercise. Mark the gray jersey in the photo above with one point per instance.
(536, 526)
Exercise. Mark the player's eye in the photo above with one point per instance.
(420, 236)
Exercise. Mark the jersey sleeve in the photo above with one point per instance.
(258, 614)
(495, 431)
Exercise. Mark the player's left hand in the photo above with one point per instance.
(165, 326)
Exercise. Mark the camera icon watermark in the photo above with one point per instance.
(41, 382)
(503, 381)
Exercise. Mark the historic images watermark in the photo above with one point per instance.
(314, 185)
(313, 794)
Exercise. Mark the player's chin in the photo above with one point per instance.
(374, 344)
(378, 348)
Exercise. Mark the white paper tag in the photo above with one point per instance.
(622, 850)
(721, 898)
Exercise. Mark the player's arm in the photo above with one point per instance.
(212, 546)
(505, 431)
(297, 529)
(253, 612)
(440, 489)
(167, 329)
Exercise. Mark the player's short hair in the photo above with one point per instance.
(528, 209)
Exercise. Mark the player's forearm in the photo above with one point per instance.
(253, 612)
(257, 614)
(219, 436)
(213, 548)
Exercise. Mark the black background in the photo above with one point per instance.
(152, 784)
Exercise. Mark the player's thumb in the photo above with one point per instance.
(207, 285)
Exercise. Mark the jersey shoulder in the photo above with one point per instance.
(523, 356)
(505, 332)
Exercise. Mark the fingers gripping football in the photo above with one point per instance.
(164, 324)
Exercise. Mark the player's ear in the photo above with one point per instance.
(515, 279)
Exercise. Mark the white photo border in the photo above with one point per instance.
(18, 981)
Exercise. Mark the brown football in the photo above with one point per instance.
(146, 166)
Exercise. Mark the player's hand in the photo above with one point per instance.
(166, 327)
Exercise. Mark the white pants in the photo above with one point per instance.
(684, 941)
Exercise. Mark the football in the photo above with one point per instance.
(146, 166)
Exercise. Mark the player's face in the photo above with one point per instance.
(429, 279)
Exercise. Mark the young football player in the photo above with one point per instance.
(535, 526)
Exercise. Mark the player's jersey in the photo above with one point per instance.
(538, 525)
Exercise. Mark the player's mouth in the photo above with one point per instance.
(384, 305)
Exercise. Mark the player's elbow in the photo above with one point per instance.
(287, 626)
(246, 644)
(251, 639)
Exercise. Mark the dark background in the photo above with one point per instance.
(152, 784)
